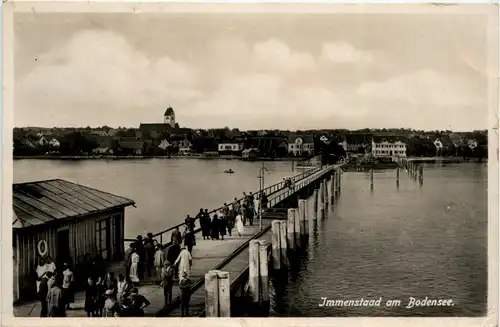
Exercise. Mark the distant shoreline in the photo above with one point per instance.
(112, 157)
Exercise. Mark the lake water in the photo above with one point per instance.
(393, 243)
(396, 243)
(165, 190)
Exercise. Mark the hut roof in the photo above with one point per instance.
(37, 203)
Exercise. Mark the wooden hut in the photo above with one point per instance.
(65, 221)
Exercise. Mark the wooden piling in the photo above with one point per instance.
(321, 200)
(283, 242)
(397, 175)
(302, 217)
(297, 228)
(332, 187)
(211, 294)
(275, 244)
(253, 271)
(224, 294)
(290, 230)
(421, 174)
(325, 189)
(371, 177)
(315, 204)
(264, 271)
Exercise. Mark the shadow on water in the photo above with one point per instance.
(396, 241)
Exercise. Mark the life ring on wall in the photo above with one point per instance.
(42, 248)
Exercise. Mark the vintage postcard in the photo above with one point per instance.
(303, 164)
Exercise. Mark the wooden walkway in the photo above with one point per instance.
(207, 254)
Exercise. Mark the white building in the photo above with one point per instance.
(164, 144)
(230, 147)
(298, 145)
(169, 117)
(54, 143)
(185, 147)
(43, 141)
(388, 146)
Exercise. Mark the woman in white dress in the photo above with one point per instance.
(184, 260)
(134, 267)
(239, 225)
(41, 269)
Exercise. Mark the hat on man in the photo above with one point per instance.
(109, 293)
(166, 263)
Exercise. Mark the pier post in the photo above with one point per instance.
(264, 274)
(297, 228)
(253, 270)
(397, 175)
(283, 242)
(302, 217)
(371, 178)
(325, 189)
(315, 204)
(340, 181)
(211, 294)
(224, 289)
(421, 174)
(332, 187)
(275, 244)
(321, 204)
(290, 230)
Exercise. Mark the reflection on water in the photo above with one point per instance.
(164, 190)
(395, 243)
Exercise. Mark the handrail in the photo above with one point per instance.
(272, 189)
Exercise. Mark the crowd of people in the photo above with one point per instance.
(107, 295)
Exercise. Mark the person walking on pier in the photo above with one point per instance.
(43, 291)
(184, 262)
(172, 254)
(205, 224)
(215, 227)
(236, 207)
(67, 286)
(239, 225)
(41, 270)
(55, 299)
(90, 298)
(138, 303)
(159, 260)
(128, 255)
(141, 252)
(122, 288)
(111, 306)
(190, 222)
(134, 267)
(189, 239)
(149, 250)
(248, 212)
(222, 225)
(185, 287)
(167, 282)
(176, 236)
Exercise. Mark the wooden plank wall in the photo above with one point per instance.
(82, 239)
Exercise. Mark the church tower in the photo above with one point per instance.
(169, 117)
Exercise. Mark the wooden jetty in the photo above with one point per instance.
(229, 255)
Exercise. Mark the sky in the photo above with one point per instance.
(252, 70)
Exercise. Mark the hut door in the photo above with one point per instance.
(62, 251)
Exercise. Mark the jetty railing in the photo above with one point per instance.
(160, 237)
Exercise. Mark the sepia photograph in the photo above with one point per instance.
(251, 160)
